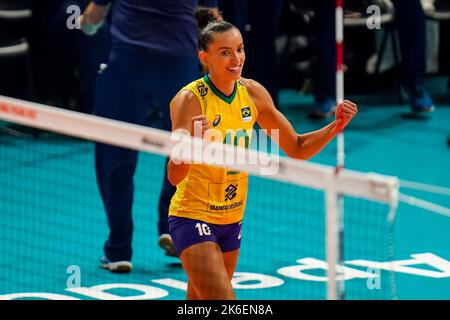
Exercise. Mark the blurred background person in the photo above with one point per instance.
(62, 63)
(410, 21)
(154, 54)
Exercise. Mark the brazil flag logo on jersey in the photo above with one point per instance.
(246, 114)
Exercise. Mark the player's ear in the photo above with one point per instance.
(203, 58)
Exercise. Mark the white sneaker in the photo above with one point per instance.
(117, 267)
(165, 242)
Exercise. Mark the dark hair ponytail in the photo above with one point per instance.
(208, 26)
(204, 17)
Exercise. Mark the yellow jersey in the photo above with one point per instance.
(216, 194)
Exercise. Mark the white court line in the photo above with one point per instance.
(424, 187)
(430, 206)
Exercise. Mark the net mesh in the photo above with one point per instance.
(52, 222)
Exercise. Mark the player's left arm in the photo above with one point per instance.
(299, 146)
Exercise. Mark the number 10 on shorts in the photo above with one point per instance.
(203, 229)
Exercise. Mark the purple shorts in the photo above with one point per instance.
(187, 232)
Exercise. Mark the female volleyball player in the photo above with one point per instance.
(207, 209)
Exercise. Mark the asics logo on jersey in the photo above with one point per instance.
(231, 192)
(216, 120)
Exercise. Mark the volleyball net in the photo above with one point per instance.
(52, 216)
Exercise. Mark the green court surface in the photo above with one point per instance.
(52, 223)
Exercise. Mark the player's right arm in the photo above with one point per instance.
(185, 112)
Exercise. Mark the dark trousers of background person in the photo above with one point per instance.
(132, 83)
(411, 29)
(67, 61)
(263, 19)
(324, 48)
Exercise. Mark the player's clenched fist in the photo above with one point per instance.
(344, 113)
(199, 125)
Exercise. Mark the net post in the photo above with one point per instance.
(331, 238)
(340, 157)
(393, 205)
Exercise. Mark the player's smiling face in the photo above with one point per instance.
(225, 56)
